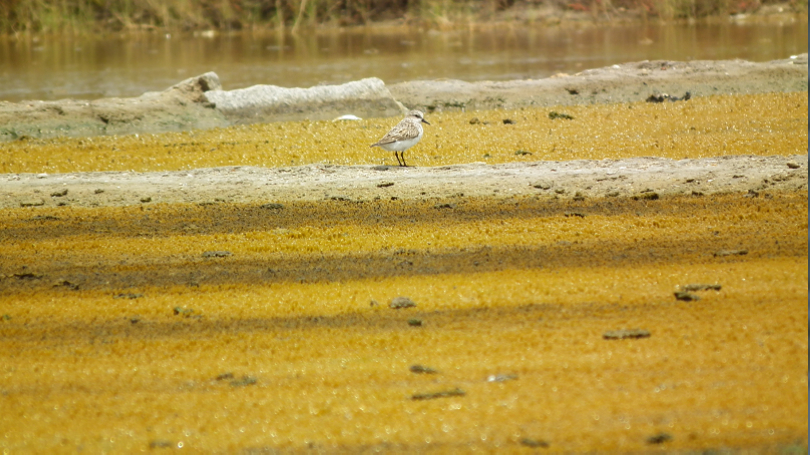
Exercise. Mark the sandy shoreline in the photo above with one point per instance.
(635, 177)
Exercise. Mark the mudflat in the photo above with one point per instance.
(629, 279)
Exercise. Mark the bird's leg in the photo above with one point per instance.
(403, 159)
(396, 154)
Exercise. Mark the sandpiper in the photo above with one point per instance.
(404, 135)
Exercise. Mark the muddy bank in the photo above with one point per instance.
(201, 103)
(645, 178)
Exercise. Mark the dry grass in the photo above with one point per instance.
(85, 16)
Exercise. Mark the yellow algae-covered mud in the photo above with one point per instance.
(765, 124)
(598, 324)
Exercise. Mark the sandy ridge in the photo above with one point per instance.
(635, 177)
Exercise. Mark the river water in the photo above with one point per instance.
(56, 67)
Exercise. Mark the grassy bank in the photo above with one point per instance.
(18, 16)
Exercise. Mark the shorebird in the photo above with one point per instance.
(404, 135)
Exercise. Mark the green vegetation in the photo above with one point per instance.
(116, 15)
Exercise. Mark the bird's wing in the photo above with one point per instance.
(401, 131)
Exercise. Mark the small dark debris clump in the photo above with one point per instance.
(98, 191)
(572, 91)
(650, 196)
(224, 376)
(626, 333)
(243, 381)
(216, 254)
(185, 312)
(508, 121)
(146, 199)
(272, 206)
(522, 153)
(5, 317)
(542, 185)
(67, 284)
(45, 218)
(554, 115)
(420, 369)
(32, 203)
(702, 287)
(534, 443)
(686, 296)
(60, 193)
(401, 302)
(723, 253)
(448, 205)
(27, 276)
(160, 444)
(574, 214)
(474, 121)
(443, 394)
(385, 184)
(793, 165)
(415, 322)
(661, 97)
(659, 438)
(128, 296)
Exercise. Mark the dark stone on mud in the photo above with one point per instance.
(702, 287)
(243, 381)
(534, 443)
(626, 333)
(660, 98)
(421, 369)
(60, 193)
(686, 296)
(160, 444)
(442, 394)
(723, 253)
(32, 203)
(554, 115)
(650, 196)
(659, 438)
(128, 296)
(216, 254)
(67, 284)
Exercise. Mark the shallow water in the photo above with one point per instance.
(56, 67)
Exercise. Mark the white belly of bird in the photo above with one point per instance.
(401, 146)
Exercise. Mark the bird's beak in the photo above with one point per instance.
(425, 121)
